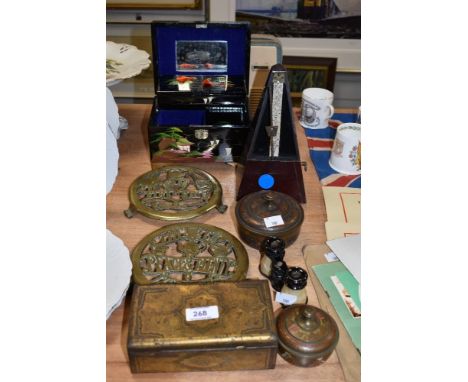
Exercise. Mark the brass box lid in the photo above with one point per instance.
(157, 321)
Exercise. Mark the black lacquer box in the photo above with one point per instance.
(201, 79)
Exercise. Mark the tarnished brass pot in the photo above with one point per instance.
(307, 335)
(252, 210)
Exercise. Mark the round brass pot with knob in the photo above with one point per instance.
(307, 335)
(253, 209)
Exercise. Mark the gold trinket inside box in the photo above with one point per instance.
(307, 335)
(187, 253)
(164, 336)
(285, 213)
(175, 193)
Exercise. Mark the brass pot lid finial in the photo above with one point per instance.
(270, 204)
(189, 252)
(175, 193)
(253, 208)
(306, 330)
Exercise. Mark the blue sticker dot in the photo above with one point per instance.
(266, 181)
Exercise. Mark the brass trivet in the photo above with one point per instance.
(175, 193)
(189, 252)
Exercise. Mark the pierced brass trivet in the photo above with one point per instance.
(175, 193)
(189, 252)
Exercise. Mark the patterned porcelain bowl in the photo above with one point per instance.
(124, 61)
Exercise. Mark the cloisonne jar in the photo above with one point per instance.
(296, 281)
(273, 251)
(306, 335)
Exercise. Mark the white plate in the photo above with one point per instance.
(118, 272)
(112, 159)
(124, 61)
(112, 113)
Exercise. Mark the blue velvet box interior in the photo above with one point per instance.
(233, 37)
(166, 35)
(178, 118)
(228, 117)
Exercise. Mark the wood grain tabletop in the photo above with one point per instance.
(134, 160)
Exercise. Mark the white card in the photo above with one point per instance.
(330, 256)
(202, 313)
(184, 86)
(273, 221)
(348, 250)
(284, 298)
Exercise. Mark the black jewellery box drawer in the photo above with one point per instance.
(200, 111)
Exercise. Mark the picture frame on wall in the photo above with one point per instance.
(153, 4)
(309, 72)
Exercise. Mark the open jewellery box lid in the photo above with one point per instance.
(201, 58)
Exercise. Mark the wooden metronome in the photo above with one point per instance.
(271, 160)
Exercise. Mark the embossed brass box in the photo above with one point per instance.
(160, 339)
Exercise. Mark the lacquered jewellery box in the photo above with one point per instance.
(201, 74)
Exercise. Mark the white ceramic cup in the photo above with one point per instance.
(316, 108)
(346, 153)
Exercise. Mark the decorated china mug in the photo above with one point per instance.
(316, 108)
(346, 152)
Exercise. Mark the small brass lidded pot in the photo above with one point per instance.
(266, 213)
(273, 251)
(296, 281)
(307, 335)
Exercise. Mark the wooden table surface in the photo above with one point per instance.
(134, 161)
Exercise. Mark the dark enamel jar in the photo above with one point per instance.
(307, 335)
(254, 208)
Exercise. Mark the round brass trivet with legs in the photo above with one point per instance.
(175, 193)
(189, 252)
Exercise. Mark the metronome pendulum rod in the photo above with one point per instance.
(276, 97)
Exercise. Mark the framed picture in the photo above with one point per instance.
(309, 72)
(153, 4)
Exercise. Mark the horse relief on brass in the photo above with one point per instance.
(189, 252)
(175, 193)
